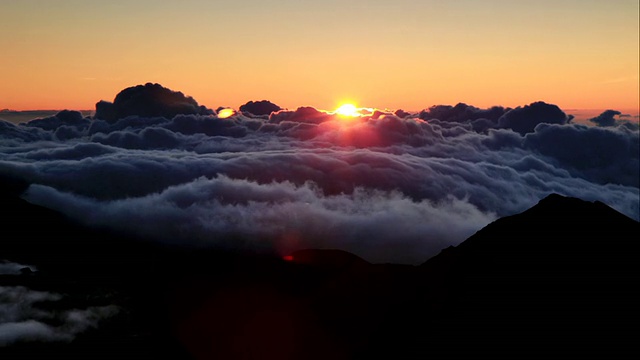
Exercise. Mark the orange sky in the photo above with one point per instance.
(408, 54)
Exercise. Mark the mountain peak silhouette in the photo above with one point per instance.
(562, 276)
(557, 225)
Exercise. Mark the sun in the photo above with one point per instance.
(225, 113)
(347, 110)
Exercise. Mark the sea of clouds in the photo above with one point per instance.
(387, 186)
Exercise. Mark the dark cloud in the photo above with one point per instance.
(208, 125)
(462, 113)
(607, 118)
(384, 186)
(65, 124)
(633, 126)
(10, 132)
(401, 113)
(259, 108)
(149, 100)
(12, 268)
(599, 155)
(62, 118)
(151, 138)
(304, 114)
(22, 320)
(390, 129)
(75, 152)
(523, 120)
(482, 125)
(130, 123)
(378, 225)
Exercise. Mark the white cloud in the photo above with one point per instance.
(22, 320)
(380, 186)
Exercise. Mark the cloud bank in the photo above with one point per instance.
(608, 118)
(11, 268)
(23, 319)
(386, 186)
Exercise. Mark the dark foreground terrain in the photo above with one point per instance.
(560, 280)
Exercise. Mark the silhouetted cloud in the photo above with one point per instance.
(149, 100)
(524, 119)
(259, 108)
(304, 114)
(401, 113)
(65, 124)
(384, 186)
(462, 113)
(62, 118)
(607, 118)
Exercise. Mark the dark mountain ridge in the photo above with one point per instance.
(558, 280)
(559, 234)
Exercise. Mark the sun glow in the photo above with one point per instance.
(225, 113)
(347, 110)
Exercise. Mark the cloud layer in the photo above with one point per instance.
(386, 186)
(23, 319)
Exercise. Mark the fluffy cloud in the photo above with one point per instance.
(304, 114)
(281, 217)
(63, 118)
(523, 120)
(599, 155)
(259, 108)
(148, 100)
(462, 113)
(607, 118)
(22, 320)
(388, 187)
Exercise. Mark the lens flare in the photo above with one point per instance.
(287, 258)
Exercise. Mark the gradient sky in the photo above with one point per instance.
(407, 54)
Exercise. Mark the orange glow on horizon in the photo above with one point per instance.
(415, 61)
